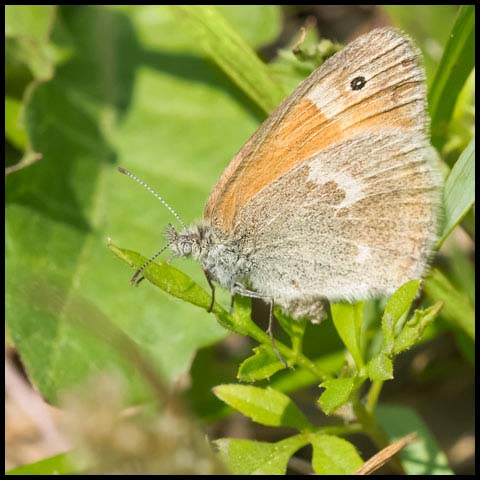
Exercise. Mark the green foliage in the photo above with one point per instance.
(459, 194)
(457, 308)
(263, 364)
(61, 464)
(265, 406)
(337, 392)
(249, 457)
(424, 456)
(232, 54)
(348, 322)
(152, 89)
(334, 456)
(457, 62)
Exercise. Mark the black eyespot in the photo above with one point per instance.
(358, 83)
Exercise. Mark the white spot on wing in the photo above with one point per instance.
(352, 187)
(363, 254)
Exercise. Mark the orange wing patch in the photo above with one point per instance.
(280, 151)
(322, 111)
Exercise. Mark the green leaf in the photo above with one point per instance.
(61, 464)
(14, 129)
(263, 364)
(232, 54)
(293, 380)
(423, 457)
(294, 328)
(249, 457)
(380, 367)
(258, 26)
(337, 392)
(457, 62)
(457, 308)
(397, 306)
(334, 456)
(176, 283)
(32, 20)
(459, 193)
(413, 329)
(134, 92)
(263, 405)
(348, 321)
(27, 29)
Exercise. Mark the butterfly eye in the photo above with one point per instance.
(358, 83)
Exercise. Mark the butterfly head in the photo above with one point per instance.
(185, 242)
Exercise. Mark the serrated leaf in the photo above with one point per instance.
(249, 457)
(348, 320)
(413, 329)
(380, 367)
(459, 192)
(397, 306)
(263, 405)
(337, 392)
(334, 456)
(263, 364)
(423, 457)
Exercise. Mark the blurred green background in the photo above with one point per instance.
(91, 88)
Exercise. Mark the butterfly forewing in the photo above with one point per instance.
(360, 89)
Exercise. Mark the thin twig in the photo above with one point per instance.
(386, 454)
(27, 160)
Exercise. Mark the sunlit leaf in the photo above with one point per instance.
(413, 329)
(249, 457)
(232, 54)
(263, 405)
(457, 62)
(263, 364)
(459, 193)
(348, 320)
(337, 392)
(334, 456)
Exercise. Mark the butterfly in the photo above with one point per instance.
(336, 196)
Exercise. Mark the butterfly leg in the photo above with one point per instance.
(248, 293)
(232, 304)
(212, 287)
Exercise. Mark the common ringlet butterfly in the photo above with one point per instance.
(336, 195)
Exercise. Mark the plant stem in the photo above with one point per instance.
(373, 395)
(371, 428)
(261, 337)
(341, 429)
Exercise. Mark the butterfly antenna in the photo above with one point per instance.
(154, 193)
(134, 280)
